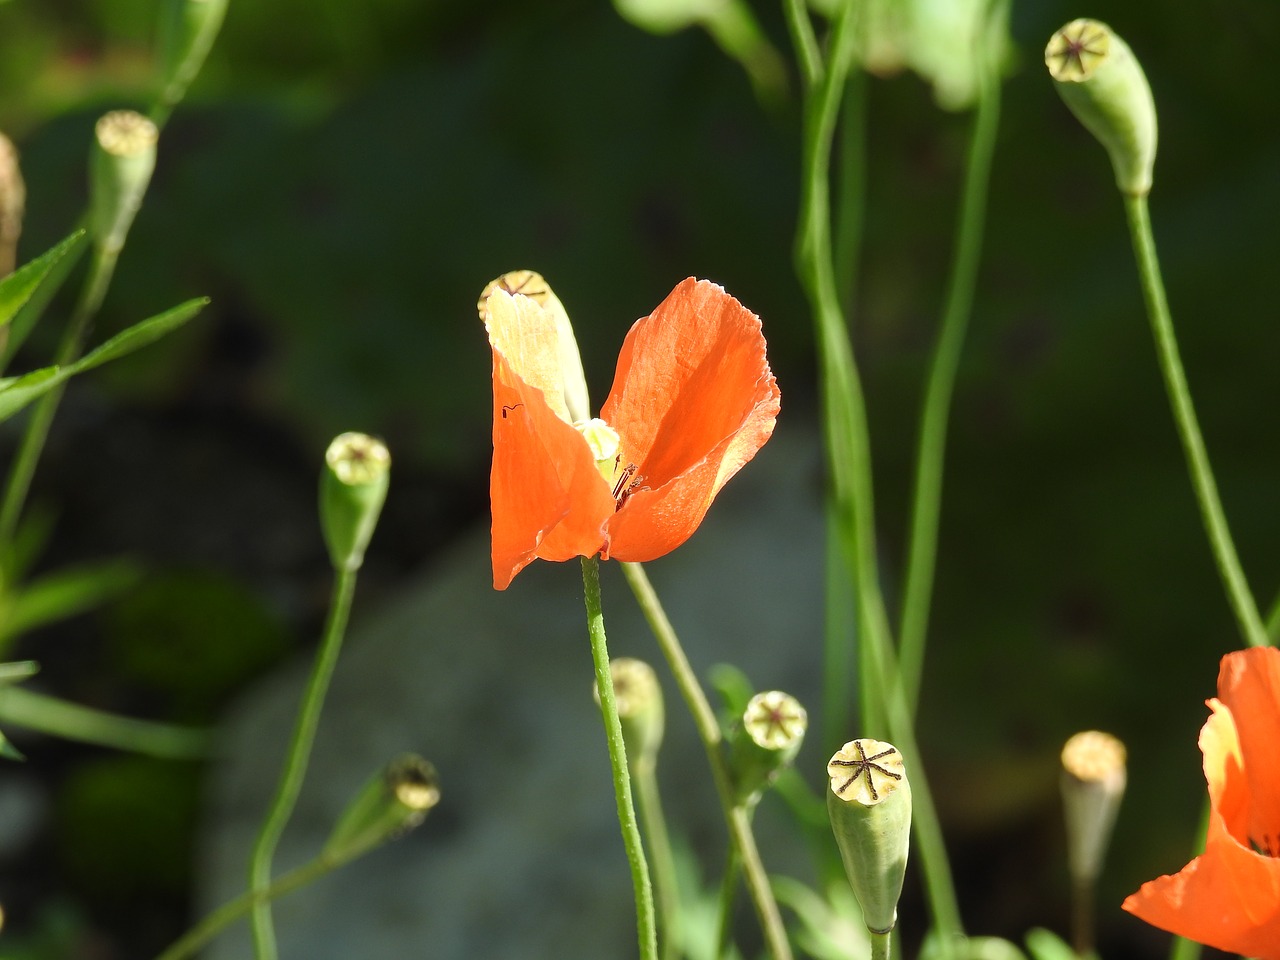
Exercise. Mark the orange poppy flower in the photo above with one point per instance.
(692, 401)
(1229, 897)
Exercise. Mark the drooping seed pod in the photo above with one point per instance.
(394, 800)
(1102, 83)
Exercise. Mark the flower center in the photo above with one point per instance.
(606, 447)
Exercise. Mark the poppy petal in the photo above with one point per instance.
(1249, 684)
(693, 400)
(548, 498)
(1229, 897)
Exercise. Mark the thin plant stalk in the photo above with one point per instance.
(1083, 893)
(727, 900)
(1252, 630)
(217, 921)
(848, 443)
(295, 766)
(654, 821)
(932, 443)
(101, 269)
(1273, 621)
(738, 822)
(881, 946)
(646, 923)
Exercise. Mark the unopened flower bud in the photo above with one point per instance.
(393, 801)
(869, 803)
(526, 283)
(13, 200)
(1102, 83)
(353, 486)
(187, 31)
(638, 697)
(766, 741)
(124, 155)
(1093, 782)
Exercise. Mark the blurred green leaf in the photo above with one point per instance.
(29, 541)
(26, 292)
(1046, 945)
(64, 594)
(18, 670)
(38, 711)
(17, 392)
(735, 690)
(830, 927)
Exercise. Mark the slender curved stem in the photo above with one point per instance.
(704, 718)
(932, 443)
(804, 40)
(649, 804)
(1241, 599)
(646, 922)
(295, 767)
(1273, 621)
(724, 906)
(101, 268)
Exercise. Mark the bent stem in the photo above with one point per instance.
(295, 767)
(646, 924)
(931, 449)
(1184, 415)
(704, 718)
(101, 269)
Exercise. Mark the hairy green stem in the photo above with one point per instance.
(646, 923)
(649, 803)
(932, 442)
(738, 822)
(881, 945)
(1241, 599)
(295, 767)
(101, 268)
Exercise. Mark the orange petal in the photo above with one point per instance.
(1249, 684)
(693, 400)
(548, 498)
(1229, 897)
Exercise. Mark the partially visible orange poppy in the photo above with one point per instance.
(1229, 897)
(692, 401)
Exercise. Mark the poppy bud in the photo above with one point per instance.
(1093, 781)
(13, 199)
(187, 31)
(638, 697)
(124, 155)
(526, 283)
(1102, 83)
(869, 804)
(353, 486)
(393, 801)
(766, 741)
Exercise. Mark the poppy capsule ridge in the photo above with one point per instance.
(1102, 83)
(869, 803)
(124, 156)
(766, 741)
(353, 487)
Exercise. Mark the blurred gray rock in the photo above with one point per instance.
(523, 858)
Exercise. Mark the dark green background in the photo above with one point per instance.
(345, 177)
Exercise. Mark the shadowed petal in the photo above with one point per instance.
(693, 400)
(1249, 684)
(548, 498)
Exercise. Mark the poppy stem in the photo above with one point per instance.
(1241, 599)
(736, 817)
(931, 447)
(646, 922)
(649, 802)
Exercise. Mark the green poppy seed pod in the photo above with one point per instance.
(13, 201)
(187, 31)
(1102, 83)
(1093, 782)
(869, 803)
(124, 154)
(526, 283)
(390, 803)
(766, 741)
(638, 697)
(353, 486)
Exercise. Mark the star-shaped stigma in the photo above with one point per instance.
(1076, 49)
(775, 719)
(866, 768)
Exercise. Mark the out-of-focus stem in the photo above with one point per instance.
(649, 804)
